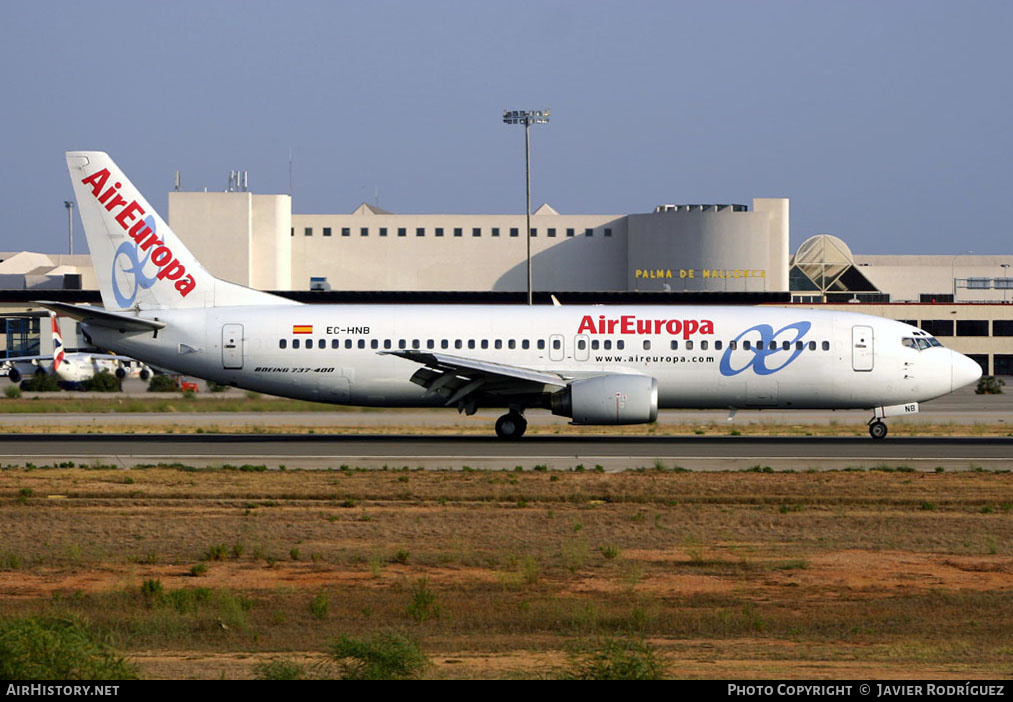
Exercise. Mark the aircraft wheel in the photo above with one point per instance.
(14, 375)
(877, 430)
(511, 426)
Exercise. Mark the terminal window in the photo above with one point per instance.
(476, 231)
(458, 231)
(420, 231)
(551, 232)
(608, 231)
(570, 232)
(345, 231)
(1002, 327)
(589, 232)
(972, 327)
(383, 231)
(938, 327)
(401, 231)
(308, 231)
(514, 231)
(495, 231)
(439, 231)
(364, 231)
(534, 231)
(327, 231)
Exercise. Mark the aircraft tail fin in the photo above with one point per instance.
(58, 350)
(139, 261)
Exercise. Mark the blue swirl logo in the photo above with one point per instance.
(764, 349)
(134, 268)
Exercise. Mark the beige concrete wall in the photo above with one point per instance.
(465, 262)
(906, 277)
(217, 228)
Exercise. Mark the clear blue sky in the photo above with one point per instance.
(886, 123)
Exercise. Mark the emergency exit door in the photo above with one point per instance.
(862, 348)
(232, 346)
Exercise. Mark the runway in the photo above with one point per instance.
(557, 453)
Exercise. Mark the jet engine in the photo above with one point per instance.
(609, 399)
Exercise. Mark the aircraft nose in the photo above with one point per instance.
(963, 371)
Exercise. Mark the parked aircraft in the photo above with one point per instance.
(594, 364)
(72, 367)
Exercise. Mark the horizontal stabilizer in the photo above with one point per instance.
(103, 318)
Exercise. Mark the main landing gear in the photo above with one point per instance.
(877, 429)
(511, 425)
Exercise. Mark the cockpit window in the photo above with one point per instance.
(920, 343)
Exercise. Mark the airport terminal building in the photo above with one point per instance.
(706, 251)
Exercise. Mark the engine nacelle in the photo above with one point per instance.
(609, 399)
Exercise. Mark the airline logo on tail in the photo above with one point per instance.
(145, 239)
(58, 351)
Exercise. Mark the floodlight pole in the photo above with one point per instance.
(527, 118)
(69, 204)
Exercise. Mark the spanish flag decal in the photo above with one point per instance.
(302, 328)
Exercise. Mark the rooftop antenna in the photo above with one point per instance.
(177, 186)
(290, 172)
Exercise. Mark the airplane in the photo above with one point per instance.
(72, 367)
(597, 365)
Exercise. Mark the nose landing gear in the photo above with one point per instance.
(511, 425)
(877, 429)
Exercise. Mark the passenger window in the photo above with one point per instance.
(430, 344)
(402, 344)
(799, 345)
(416, 344)
(785, 345)
(732, 345)
(498, 344)
(594, 344)
(812, 345)
(386, 343)
(703, 345)
(607, 344)
(581, 344)
(717, 345)
(556, 345)
(283, 343)
(689, 344)
(322, 344)
(525, 344)
(348, 343)
(512, 344)
(541, 344)
(826, 345)
(746, 345)
(362, 343)
(620, 344)
(295, 343)
(334, 343)
(457, 343)
(444, 344)
(485, 343)
(647, 344)
(374, 344)
(675, 345)
(773, 345)
(471, 343)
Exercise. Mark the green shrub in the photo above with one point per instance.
(383, 656)
(13, 392)
(51, 648)
(103, 381)
(280, 670)
(989, 385)
(152, 592)
(617, 659)
(320, 605)
(423, 605)
(42, 382)
(162, 383)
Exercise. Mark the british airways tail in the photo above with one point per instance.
(139, 262)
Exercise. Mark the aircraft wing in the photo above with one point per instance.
(460, 379)
(26, 359)
(103, 318)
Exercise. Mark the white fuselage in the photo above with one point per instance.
(334, 353)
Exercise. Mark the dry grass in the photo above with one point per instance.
(841, 574)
